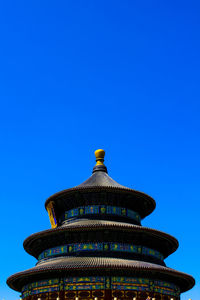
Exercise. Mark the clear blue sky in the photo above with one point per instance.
(76, 76)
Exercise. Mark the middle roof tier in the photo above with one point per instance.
(100, 231)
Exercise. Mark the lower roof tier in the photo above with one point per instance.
(73, 266)
(100, 231)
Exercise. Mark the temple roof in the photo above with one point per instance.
(99, 189)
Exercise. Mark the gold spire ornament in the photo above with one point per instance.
(100, 153)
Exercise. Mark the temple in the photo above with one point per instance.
(98, 249)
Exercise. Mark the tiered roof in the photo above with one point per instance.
(72, 214)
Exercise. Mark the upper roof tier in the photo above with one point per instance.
(101, 189)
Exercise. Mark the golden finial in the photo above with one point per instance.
(100, 153)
